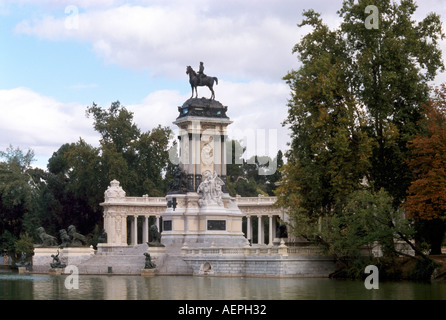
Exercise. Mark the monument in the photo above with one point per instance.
(199, 210)
(196, 227)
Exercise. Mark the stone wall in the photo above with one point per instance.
(267, 266)
(68, 256)
(281, 261)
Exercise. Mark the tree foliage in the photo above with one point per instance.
(330, 150)
(16, 189)
(427, 193)
(389, 71)
(426, 196)
(356, 101)
(253, 176)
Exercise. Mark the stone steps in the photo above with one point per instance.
(116, 264)
(173, 264)
(125, 261)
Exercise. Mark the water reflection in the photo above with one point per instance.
(44, 287)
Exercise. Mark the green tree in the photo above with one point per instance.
(329, 149)
(152, 162)
(274, 178)
(86, 187)
(16, 189)
(138, 160)
(115, 126)
(426, 196)
(389, 69)
(24, 245)
(254, 176)
(74, 188)
(355, 103)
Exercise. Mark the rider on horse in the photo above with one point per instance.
(201, 74)
(200, 79)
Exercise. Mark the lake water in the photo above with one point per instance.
(14, 286)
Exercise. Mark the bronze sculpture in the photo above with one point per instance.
(56, 261)
(77, 239)
(200, 80)
(47, 240)
(149, 264)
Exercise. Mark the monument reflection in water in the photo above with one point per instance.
(45, 287)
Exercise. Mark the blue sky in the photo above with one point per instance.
(137, 52)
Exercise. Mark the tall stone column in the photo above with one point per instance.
(248, 228)
(157, 222)
(274, 228)
(135, 230)
(260, 231)
(145, 230)
(271, 236)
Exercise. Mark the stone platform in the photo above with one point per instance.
(68, 256)
(256, 261)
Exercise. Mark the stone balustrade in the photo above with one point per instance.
(118, 207)
(282, 250)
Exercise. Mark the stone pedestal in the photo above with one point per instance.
(55, 271)
(203, 224)
(148, 272)
(23, 270)
(68, 256)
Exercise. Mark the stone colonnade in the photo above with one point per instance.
(145, 228)
(260, 207)
(261, 229)
(118, 207)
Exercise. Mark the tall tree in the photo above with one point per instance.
(426, 200)
(75, 188)
(389, 69)
(16, 189)
(138, 160)
(115, 125)
(330, 151)
(355, 103)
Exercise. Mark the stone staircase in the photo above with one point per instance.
(126, 261)
(131, 260)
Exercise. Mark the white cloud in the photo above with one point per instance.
(166, 38)
(32, 121)
(43, 124)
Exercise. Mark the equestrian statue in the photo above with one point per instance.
(200, 80)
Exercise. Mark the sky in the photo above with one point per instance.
(57, 57)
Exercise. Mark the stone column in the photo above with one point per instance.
(223, 161)
(197, 156)
(145, 230)
(157, 222)
(248, 228)
(270, 238)
(274, 228)
(190, 165)
(260, 233)
(135, 230)
(223, 155)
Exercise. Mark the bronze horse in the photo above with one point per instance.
(196, 81)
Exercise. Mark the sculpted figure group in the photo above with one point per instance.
(70, 238)
(210, 190)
